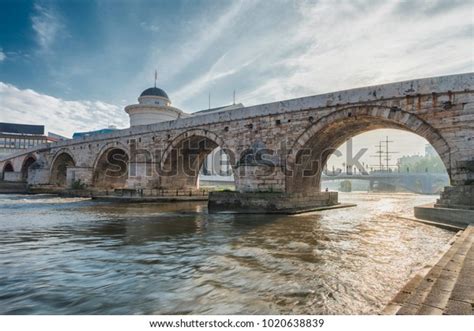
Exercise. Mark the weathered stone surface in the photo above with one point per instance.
(429, 310)
(458, 308)
(268, 202)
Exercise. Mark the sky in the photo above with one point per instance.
(73, 65)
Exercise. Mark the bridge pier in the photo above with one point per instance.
(38, 176)
(259, 178)
(12, 176)
(272, 202)
(76, 174)
(260, 188)
(455, 205)
(458, 197)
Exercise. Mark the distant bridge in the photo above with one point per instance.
(424, 182)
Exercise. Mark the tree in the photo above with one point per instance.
(418, 164)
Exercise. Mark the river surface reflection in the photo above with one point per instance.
(73, 256)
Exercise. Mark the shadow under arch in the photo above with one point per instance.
(7, 167)
(61, 161)
(183, 158)
(306, 159)
(110, 170)
(27, 163)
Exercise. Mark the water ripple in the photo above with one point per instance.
(76, 256)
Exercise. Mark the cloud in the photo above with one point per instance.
(265, 50)
(58, 115)
(207, 35)
(193, 41)
(3, 56)
(323, 46)
(46, 23)
(347, 47)
(220, 70)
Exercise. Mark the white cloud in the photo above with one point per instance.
(3, 56)
(220, 70)
(345, 46)
(202, 34)
(46, 23)
(58, 115)
(325, 46)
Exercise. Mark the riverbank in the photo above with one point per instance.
(446, 287)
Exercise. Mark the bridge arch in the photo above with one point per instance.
(182, 159)
(61, 161)
(27, 163)
(7, 167)
(110, 170)
(312, 149)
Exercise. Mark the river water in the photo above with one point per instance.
(75, 256)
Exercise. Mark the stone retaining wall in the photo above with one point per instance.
(268, 202)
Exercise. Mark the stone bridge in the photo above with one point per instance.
(279, 147)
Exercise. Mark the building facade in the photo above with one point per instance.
(17, 137)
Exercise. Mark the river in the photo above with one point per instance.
(76, 256)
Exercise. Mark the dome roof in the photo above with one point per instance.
(154, 91)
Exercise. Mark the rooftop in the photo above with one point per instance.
(154, 91)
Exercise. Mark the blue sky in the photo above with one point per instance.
(73, 65)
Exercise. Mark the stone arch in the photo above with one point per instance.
(27, 163)
(7, 167)
(310, 152)
(61, 161)
(110, 170)
(183, 158)
(106, 147)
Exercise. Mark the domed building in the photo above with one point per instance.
(153, 106)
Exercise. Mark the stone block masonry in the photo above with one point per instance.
(270, 202)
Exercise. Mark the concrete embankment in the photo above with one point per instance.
(445, 287)
(454, 216)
